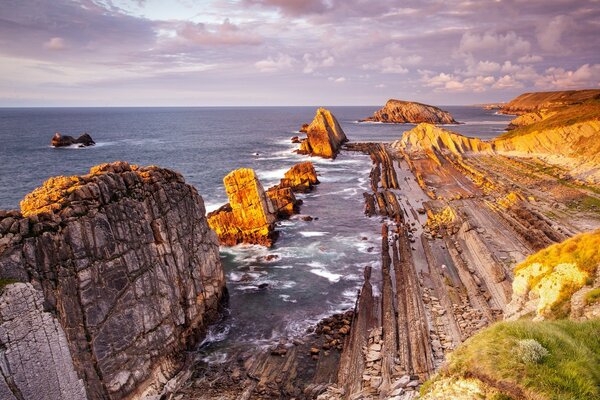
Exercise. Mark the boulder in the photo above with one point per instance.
(59, 140)
(402, 112)
(301, 177)
(324, 136)
(250, 215)
(116, 274)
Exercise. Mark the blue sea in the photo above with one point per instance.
(320, 263)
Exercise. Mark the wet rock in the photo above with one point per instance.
(59, 140)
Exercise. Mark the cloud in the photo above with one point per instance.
(393, 65)
(527, 59)
(507, 82)
(341, 79)
(549, 34)
(292, 7)
(272, 64)
(314, 61)
(507, 44)
(55, 43)
(223, 34)
(586, 76)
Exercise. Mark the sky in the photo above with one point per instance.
(292, 52)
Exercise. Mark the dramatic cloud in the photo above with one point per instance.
(137, 52)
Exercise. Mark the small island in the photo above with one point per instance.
(403, 112)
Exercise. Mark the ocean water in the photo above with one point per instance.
(319, 266)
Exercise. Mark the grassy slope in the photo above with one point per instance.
(566, 116)
(570, 371)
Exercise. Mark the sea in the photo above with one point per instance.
(318, 266)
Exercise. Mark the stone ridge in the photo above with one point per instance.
(535, 101)
(126, 261)
(325, 136)
(401, 112)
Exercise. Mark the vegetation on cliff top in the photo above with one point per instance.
(565, 116)
(568, 371)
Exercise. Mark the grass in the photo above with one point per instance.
(570, 370)
(6, 282)
(568, 115)
(592, 296)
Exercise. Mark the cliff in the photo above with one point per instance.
(528, 102)
(324, 136)
(120, 273)
(249, 217)
(401, 112)
(251, 213)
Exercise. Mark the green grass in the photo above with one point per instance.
(568, 115)
(570, 371)
(592, 296)
(6, 282)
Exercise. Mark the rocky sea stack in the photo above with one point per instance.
(59, 140)
(324, 136)
(402, 112)
(106, 279)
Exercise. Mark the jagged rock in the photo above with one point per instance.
(324, 136)
(301, 177)
(126, 263)
(250, 215)
(59, 140)
(401, 112)
(284, 201)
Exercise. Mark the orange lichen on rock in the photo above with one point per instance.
(250, 215)
(324, 136)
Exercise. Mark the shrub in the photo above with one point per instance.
(531, 351)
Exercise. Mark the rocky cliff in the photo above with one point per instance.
(528, 102)
(401, 112)
(251, 213)
(120, 273)
(324, 136)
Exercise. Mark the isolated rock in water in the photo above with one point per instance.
(324, 136)
(125, 262)
(401, 112)
(250, 215)
(301, 177)
(284, 201)
(59, 140)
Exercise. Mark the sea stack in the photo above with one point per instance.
(249, 217)
(300, 178)
(106, 280)
(402, 112)
(59, 140)
(324, 136)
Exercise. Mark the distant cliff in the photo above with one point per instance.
(325, 136)
(528, 102)
(401, 112)
(107, 278)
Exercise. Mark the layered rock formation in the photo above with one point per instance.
(129, 275)
(59, 140)
(249, 217)
(324, 136)
(402, 112)
(299, 179)
(529, 102)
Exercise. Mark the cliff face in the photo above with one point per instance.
(427, 137)
(127, 265)
(528, 102)
(401, 112)
(324, 136)
(250, 215)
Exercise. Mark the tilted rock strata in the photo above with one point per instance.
(401, 112)
(301, 177)
(250, 215)
(324, 136)
(126, 261)
(529, 118)
(529, 102)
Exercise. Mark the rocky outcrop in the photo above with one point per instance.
(128, 266)
(529, 102)
(59, 140)
(324, 136)
(251, 213)
(402, 112)
(249, 217)
(529, 118)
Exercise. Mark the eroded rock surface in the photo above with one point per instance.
(250, 216)
(324, 136)
(59, 140)
(401, 112)
(126, 262)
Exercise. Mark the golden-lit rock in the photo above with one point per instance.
(529, 102)
(284, 201)
(401, 112)
(250, 215)
(324, 136)
(301, 177)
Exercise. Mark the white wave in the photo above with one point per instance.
(313, 233)
(271, 175)
(330, 276)
(287, 299)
